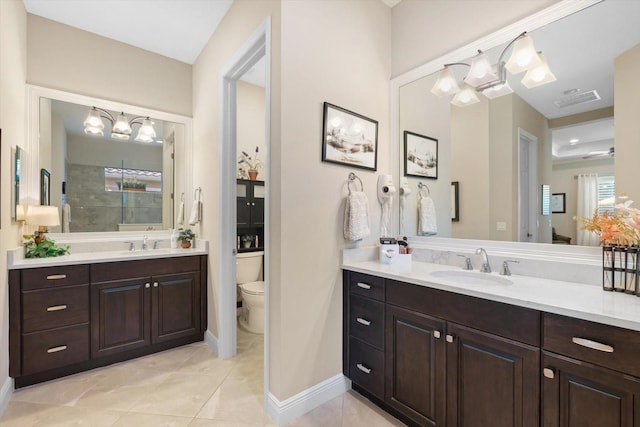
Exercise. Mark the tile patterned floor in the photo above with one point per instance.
(183, 387)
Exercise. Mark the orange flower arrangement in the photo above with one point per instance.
(622, 228)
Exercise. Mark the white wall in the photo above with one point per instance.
(251, 122)
(13, 65)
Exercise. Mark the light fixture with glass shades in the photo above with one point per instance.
(121, 127)
(491, 79)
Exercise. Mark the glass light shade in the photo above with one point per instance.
(446, 84)
(539, 75)
(122, 126)
(497, 91)
(481, 71)
(41, 215)
(523, 57)
(146, 133)
(466, 96)
(93, 124)
(93, 131)
(122, 136)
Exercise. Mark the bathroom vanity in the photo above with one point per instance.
(520, 352)
(72, 315)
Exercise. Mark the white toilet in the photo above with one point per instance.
(248, 277)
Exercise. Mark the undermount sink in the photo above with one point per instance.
(464, 277)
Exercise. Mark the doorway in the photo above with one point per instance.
(527, 186)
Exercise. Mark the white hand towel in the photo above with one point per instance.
(180, 220)
(66, 217)
(427, 224)
(356, 217)
(196, 213)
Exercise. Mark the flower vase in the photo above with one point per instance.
(185, 244)
(253, 174)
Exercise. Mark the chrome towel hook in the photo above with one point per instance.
(352, 178)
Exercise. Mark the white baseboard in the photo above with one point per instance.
(212, 341)
(307, 400)
(5, 394)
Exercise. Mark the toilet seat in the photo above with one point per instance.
(253, 288)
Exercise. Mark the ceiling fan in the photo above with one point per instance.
(596, 154)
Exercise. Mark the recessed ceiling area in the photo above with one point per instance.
(156, 26)
(591, 139)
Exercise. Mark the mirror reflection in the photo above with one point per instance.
(109, 170)
(501, 150)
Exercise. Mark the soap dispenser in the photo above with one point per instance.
(174, 238)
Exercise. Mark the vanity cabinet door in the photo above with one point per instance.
(257, 203)
(578, 394)
(175, 306)
(491, 381)
(415, 370)
(120, 315)
(243, 203)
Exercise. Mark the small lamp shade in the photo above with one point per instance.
(20, 213)
(466, 96)
(446, 84)
(524, 56)
(42, 216)
(481, 71)
(146, 133)
(539, 75)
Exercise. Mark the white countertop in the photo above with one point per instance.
(16, 261)
(581, 301)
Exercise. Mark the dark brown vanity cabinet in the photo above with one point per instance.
(71, 318)
(250, 203)
(449, 359)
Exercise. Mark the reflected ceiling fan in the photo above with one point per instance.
(597, 154)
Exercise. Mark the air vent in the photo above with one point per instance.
(577, 98)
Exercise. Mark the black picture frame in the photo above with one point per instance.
(455, 201)
(45, 187)
(348, 138)
(420, 155)
(559, 203)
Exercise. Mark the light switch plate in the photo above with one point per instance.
(501, 226)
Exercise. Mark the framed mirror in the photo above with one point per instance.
(16, 173)
(108, 181)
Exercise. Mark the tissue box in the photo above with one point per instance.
(389, 253)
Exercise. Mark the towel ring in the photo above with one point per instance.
(182, 197)
(197, 193)
(421, 188)
(353, 177)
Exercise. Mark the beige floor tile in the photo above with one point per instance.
(218, 423)
(235, 401)
(180, 395)
(327, 415)
(360, 412)
(203, 361)
(132, 419)
(71, 416)
(165, 360)
(23, 414)
(63, 391)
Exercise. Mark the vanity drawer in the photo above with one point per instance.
(53, 308)
(604, 345)
(367, 320)
(50, 277)
(366, 285)
(55, 348)
(366, 367)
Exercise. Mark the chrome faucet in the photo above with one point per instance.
(131, 246)
(144, 242)
(486, 267)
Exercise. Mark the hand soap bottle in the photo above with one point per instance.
(174, 238)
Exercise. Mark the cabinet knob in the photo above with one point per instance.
(248, 203)
(548, 373)
(363, 368)
(253, 204)
(449, 338)
(364, 322)
(155, 284)
(147, 285)
(436, 334)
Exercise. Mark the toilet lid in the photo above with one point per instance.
(253, 288)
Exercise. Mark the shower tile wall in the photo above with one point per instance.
(94, 209)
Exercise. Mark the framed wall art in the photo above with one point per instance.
(420, 155)
(45, 187)
(349, 138)
(455, 201)
(559, 203)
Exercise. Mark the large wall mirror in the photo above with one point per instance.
(501, 151)
(102, 180)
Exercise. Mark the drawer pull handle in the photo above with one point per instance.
(436, 334)
(57, 349)
(364, 322)
(57, 307)
(449, 338)
(56, 276)
(592, 344)
(363, 368)
(548, 373)
(364, 285)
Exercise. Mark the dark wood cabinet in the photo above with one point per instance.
(250, 203)
(68, 319)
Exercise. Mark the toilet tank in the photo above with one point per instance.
(249, 266)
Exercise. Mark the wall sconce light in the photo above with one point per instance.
(121, 127)
(491, 79)
(43, 217)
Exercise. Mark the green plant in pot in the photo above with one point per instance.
(185, 237)
(247, 239)
(37, 245)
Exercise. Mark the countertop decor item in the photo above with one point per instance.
(247, 239)
(185, 237)
(37, 245)
(250, 163)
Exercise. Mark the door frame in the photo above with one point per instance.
(258, 45)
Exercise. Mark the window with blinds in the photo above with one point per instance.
(606, 194)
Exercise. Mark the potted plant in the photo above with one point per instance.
(185, 237)
(37, 245)
(247, 239)
(253, 163)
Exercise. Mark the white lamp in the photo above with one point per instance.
(539, 75)
(42, 217)
(466, 96)
(446, 84)
(146, 133)
(524, 55)
(481, 71)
